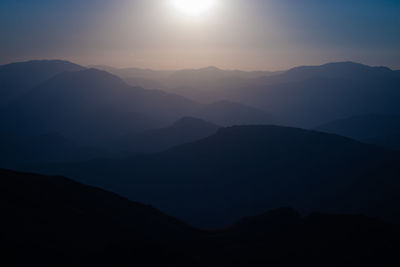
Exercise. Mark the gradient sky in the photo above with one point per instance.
(240, 34)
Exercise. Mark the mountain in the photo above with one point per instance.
(283, 237)
(185, 130)
(181, 78)
(245, 170)
(364, 127)
(197, 84)
(92, 105)
(145, 78)
(20, 150)
(54, 219)
(227, 113)
(309, 95)
(209, 76)
(391, 141)
(343, 70)
(18, 78)
(303, 96)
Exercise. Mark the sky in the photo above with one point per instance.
(234, 34)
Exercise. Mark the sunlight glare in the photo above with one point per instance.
(193, 8)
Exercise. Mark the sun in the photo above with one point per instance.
(193, 8)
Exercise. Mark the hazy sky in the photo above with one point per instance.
(243, 34)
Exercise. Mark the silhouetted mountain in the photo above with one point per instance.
(18, 78)
(283, 238)
(19, 150)
(364, 127)
(48, 220)
(53, 219)
(391, 141)
(246, 170)
(91, 105)
(185, 130)
(228, 113)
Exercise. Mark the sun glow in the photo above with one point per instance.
(193, 8)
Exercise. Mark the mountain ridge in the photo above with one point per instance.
(54, 219)
(244, 170)
(18, 78)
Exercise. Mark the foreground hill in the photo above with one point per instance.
(245, 170)
(283, 238)
(53, 219)
(48, 220)
(18, 78)
(391, 141)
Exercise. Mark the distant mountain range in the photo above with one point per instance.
(310, 96)
(303, 96)
(76, 97)
(178, 80)
(48, 220)
(244, 170)
(18, 78)
(90, 106)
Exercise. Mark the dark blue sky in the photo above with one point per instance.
(247, 34)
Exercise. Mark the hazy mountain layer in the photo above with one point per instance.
(185, 130)
(91, 106)
(364, 127)
(246, 170)
(303, 96)
(18, 78)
